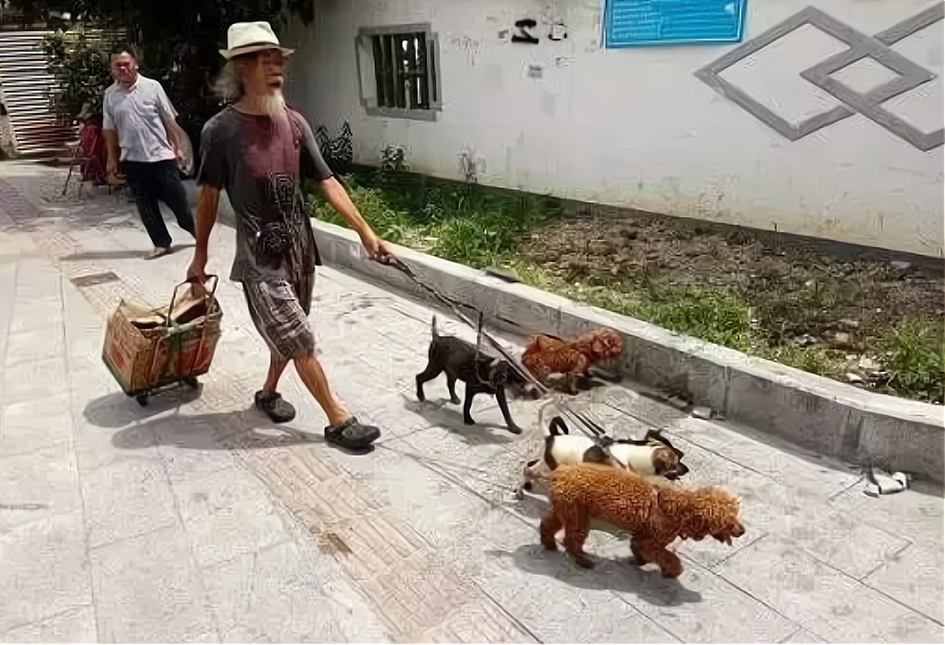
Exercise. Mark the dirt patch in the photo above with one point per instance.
(796, 297)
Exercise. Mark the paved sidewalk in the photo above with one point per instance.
(193, 519)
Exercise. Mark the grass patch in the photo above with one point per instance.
(912, 354)
(481, 227)
(462, 223)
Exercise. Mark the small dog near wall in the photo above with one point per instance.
(545, 355)
(652, 456)
(480, 372)
(654, 514)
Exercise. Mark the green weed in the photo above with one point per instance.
(912, 352)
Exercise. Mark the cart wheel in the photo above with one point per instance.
(191, 382)
(142, 400)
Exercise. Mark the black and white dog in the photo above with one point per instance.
(652, 456)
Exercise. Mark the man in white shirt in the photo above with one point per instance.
(141, 133)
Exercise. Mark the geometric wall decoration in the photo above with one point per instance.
(908, 75)
(638, 23)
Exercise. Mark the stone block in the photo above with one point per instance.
(126, 498)
(288, 593)
(42, 482)
(35, 375)
(913, 577)
(823, 600)
(71, 626)
(29, 426)
(148, 589)
(45, 570)
(227, 514)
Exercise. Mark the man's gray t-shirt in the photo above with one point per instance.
(256, 160)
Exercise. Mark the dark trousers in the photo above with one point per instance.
(154, 182)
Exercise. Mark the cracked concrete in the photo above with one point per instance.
(194, 520)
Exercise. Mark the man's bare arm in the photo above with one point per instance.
(207, 203)
(173, 132)
(338, 197)
(111, 147)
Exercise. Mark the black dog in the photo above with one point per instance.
(480, 372)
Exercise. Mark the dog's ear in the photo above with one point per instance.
(657, 435)
(596, 455)
(557, 426)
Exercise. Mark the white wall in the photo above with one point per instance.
(634, 127)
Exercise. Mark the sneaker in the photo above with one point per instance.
(352, 434)
(274, 406)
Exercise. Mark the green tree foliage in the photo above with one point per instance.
(177, 40)
(80, 66)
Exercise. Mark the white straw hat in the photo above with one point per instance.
(248, 37)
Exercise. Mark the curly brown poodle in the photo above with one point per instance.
(654, 514)
(545, 355)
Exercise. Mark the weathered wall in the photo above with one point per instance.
(640, 127)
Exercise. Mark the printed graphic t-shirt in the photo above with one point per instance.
(256, 160)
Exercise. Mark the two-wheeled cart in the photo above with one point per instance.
(152, 350)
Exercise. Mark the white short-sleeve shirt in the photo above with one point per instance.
(137, 115)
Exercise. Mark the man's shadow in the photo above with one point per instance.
(158, 424)
(622, 576)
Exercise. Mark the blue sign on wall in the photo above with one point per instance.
(638, 23)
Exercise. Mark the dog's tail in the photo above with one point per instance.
(433, 328)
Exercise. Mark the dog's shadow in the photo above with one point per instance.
(620, 576)
(438, 412)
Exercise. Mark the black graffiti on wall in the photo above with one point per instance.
(524, 33)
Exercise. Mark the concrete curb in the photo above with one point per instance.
(815, 412)
(818, 413)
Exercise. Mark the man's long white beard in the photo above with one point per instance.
(271, 105)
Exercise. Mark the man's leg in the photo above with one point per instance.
(281, 320)
(140, 177)
(170, 190)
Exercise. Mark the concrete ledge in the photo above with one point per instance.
(815, 412)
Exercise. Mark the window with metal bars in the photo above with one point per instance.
(400, 64)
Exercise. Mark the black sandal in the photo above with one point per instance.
(274, 406)
(352, 435)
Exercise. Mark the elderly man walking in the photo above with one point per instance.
(141, 132)
(252, 151)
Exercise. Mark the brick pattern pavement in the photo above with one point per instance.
(195, 520)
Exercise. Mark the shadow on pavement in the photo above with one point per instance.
(239, 429)
(438, 413)
(120, 254)
(116, 410)
(614, 575)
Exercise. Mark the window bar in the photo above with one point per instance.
(389, 71)
(412, 69)
(423, 72)
(397, 67)
(431, 73)
(381, 87)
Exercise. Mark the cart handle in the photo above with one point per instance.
(207, 294)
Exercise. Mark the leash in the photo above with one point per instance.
(594, 429)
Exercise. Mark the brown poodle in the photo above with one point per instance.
(546, 355)
(655, 514)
